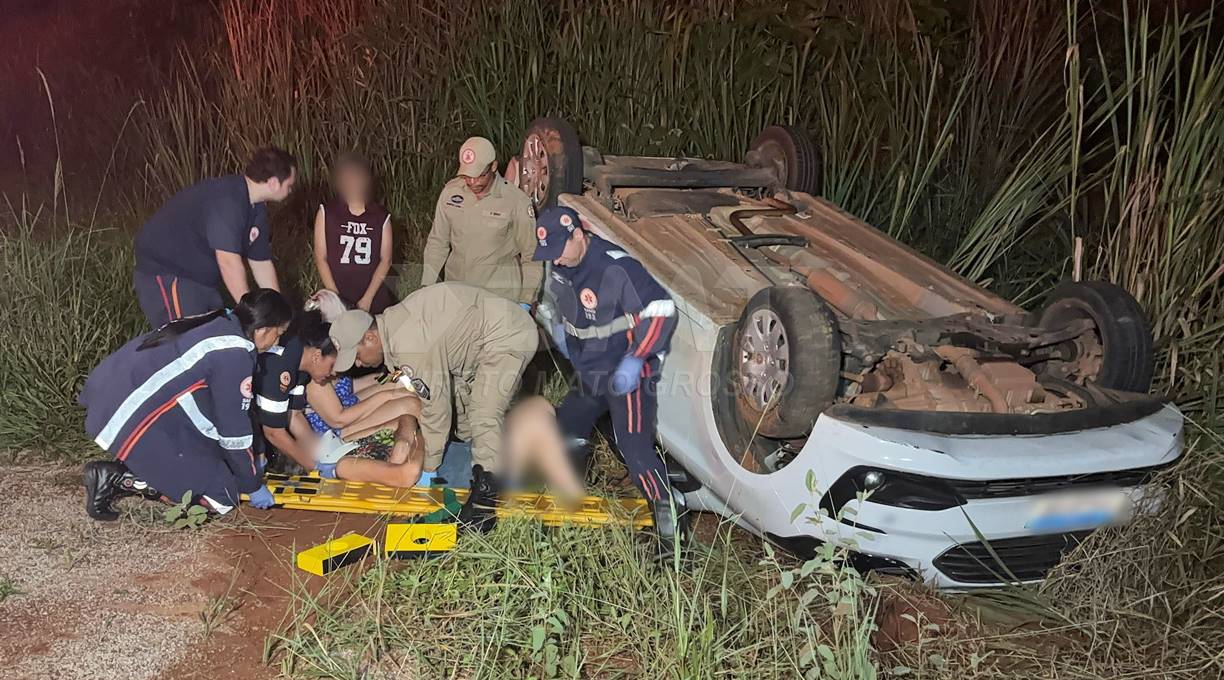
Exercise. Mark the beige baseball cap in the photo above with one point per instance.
(475, 155)
(346, 333)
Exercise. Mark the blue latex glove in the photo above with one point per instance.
(526, 306)
(627, 375)
(262, 498)
(560, 340)
(427, 478)
(327, 470)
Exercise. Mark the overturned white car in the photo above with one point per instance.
(820, 364)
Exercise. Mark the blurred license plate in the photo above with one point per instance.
(1079, 510)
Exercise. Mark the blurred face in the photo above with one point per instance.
(353, 183)
(480, 184)
(575, 249)
(370, 351)
(319, 366)
(278, 190)
(267, 337)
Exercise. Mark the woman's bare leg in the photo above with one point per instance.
(534, 441)
(384, 417)
(402, 468)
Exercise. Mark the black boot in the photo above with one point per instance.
(671, 523)
(130, 484)
(479, 513)
(103, 486)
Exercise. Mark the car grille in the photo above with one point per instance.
(1026, 558)
(1028, 486)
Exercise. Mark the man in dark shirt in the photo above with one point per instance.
(201, 236)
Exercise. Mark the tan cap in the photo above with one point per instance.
(475, 155)
(346, 333)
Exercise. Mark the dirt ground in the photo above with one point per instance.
(136, 600)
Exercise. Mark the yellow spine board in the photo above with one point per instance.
(337, 495)
(418, 540)
(334, 554)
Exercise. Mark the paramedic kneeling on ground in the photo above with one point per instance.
(615, 321)
(307, 354)
(465, 350)
(172, 407)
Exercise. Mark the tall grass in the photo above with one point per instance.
(65, 304)
(582, 602)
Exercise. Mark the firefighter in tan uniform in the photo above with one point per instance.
(483, 230)
(462, 349)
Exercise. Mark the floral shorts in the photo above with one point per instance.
(376, 446)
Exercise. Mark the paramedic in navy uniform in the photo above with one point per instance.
(615, 322)
(200, 238)
(172, 408)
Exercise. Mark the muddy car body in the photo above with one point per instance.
(827, 383)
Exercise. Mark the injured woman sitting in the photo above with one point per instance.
(355, 430)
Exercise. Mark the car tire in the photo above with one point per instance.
(786, 361)
(791, 153)
(1126, 359)
(550, 161)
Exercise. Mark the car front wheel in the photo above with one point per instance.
(786, 361)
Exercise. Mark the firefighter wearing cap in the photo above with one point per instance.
(613, 321)
(463, 351)
(483, 230)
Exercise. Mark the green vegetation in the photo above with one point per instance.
(7, 588)
(185, 514)
(990, 138)
(569, 603)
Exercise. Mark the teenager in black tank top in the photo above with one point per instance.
(353, 242)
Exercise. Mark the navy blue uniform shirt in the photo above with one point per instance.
(181, 239)
(196, 388)
(609, 284)
(280, 385)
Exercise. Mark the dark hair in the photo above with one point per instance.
(260, 308)
(270, 162)
(310, 328)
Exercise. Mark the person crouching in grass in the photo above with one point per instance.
(353, 245)
(172, 408)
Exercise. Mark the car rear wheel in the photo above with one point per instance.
(786, 361)
(1117, 352)
(550, 163)
(791, 153)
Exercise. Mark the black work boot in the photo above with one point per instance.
(130, 484)
(671, 524)
(479, 513)
(103, 486)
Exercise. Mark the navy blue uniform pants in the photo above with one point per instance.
(633, 424)
(173, 457)
(164, 297)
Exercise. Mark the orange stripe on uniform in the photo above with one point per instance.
(637, 394)
(152, 418)
(178, 311)
(652, 334)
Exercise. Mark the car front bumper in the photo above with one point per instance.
(944, 546)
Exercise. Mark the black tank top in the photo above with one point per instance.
(354, 246)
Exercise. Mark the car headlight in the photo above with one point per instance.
(890, 487)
